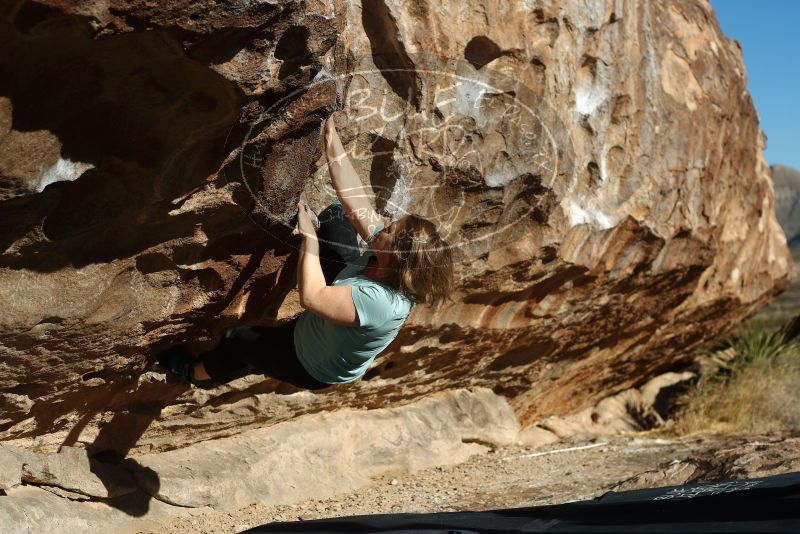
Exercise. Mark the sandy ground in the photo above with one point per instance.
(502, 478)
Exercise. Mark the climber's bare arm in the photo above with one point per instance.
(333, 303)
(357, 204)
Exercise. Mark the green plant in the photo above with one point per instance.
(753, 390)
(758, 345)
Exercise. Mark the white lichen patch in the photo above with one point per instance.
(469, 94)
(397, 205)
(63, 170)
(501, 170)
(735, 275)
(592, 87)
(499, 177)
(587, 215)
(603, 169)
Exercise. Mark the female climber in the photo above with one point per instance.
(352, 311)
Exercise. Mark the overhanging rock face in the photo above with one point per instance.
(598, 171)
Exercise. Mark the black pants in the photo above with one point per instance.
(270, 349)
(265, 349)
(338, 241)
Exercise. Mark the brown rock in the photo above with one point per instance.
(339, 452)
(675, 473)
(631, 410)
(509, 477)
(73, 470)
(599, 173)
(535, 436)
(11, 461)
(13, 407)
(732, 458)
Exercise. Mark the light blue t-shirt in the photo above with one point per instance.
(334, 353)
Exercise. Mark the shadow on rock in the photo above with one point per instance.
(130, 486)
(120, 150)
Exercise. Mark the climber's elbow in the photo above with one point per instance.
(306, 299)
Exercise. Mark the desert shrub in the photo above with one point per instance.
(758, 345)
(755, 393)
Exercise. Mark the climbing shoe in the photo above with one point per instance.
(179, 363)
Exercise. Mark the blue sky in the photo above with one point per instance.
(770, 39)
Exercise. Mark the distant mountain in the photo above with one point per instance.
(787, 201)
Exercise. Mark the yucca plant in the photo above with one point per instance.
(758, 345)
(754, 391)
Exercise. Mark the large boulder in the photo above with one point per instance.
(598, 171)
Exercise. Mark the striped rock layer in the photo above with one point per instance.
(597, 171)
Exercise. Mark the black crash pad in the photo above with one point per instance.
(758, 505)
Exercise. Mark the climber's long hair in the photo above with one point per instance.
(423, 264)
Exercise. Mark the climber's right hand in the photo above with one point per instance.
(305, 226)
(330, 130)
